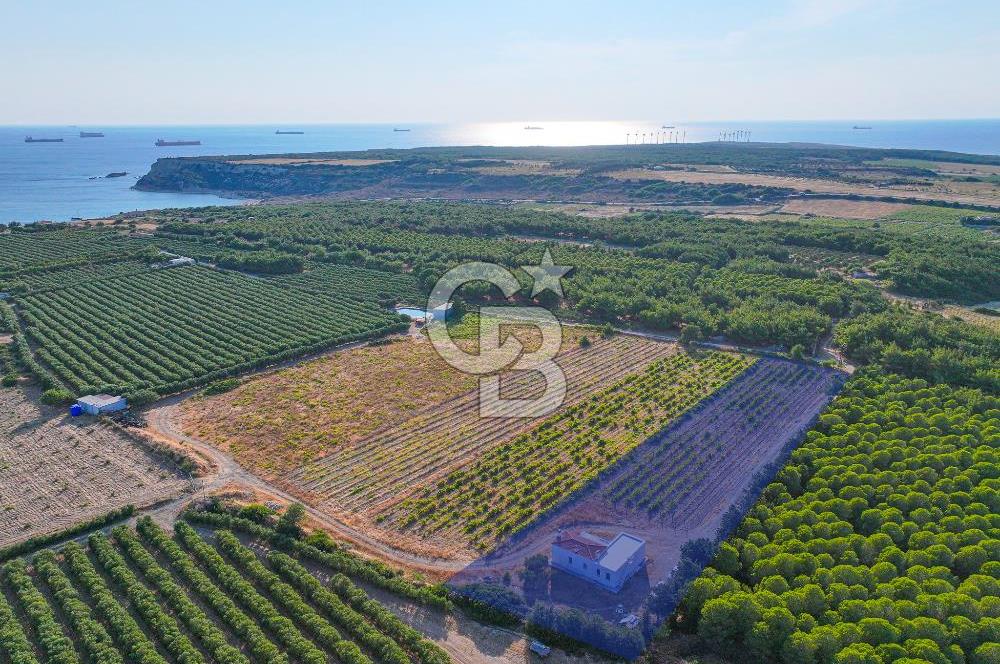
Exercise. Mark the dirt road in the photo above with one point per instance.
(162, 422)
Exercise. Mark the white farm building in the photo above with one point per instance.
(607, 563)
(97, 404)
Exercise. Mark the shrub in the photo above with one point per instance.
(56, 396)
(221, 386)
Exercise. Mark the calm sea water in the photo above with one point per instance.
(59, 181)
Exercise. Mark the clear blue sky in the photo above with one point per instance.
(216, 61)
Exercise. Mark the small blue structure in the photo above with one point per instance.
(76, 410)
(98, 404)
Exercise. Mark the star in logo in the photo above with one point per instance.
(547, 275)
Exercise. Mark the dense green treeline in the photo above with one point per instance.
(743, 286)
(924, 345)
(878, 542)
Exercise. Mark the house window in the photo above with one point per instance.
(607, 575)
(585, 566)
(571, 560)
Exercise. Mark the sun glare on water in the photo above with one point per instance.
(559, 133)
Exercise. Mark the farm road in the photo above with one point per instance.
(162, 420)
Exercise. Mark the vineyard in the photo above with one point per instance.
(54, 473)
(171, 329)
(510, 485)
(144, 596)
(878, 541)
(382, 468)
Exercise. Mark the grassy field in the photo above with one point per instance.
(278, 422)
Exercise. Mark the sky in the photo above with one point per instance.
(218, 61)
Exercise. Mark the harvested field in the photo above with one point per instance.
(969, 193)
(512, 484)
(942, 167)
(374, 474)
(56, 471)
(842, 209)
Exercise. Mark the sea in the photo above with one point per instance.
(67, 180)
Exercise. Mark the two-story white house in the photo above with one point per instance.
(606, 563)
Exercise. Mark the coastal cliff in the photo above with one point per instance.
(680, 174)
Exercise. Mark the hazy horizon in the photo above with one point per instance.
(229, 63)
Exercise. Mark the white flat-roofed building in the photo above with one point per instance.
(607, 563)
(96, 404)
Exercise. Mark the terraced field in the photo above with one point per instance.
(511, 484)
(380, 470)
(55, 472)
(144, 596)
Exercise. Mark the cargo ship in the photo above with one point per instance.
(288, 132)
(530, 128)
(91, 134)
(395, 129)
(160, 143)
(29, 139)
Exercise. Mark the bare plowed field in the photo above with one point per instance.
(55, 471)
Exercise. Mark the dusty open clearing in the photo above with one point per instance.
(835, 207)
(56, 471)
(970, 315)
(970, 193)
